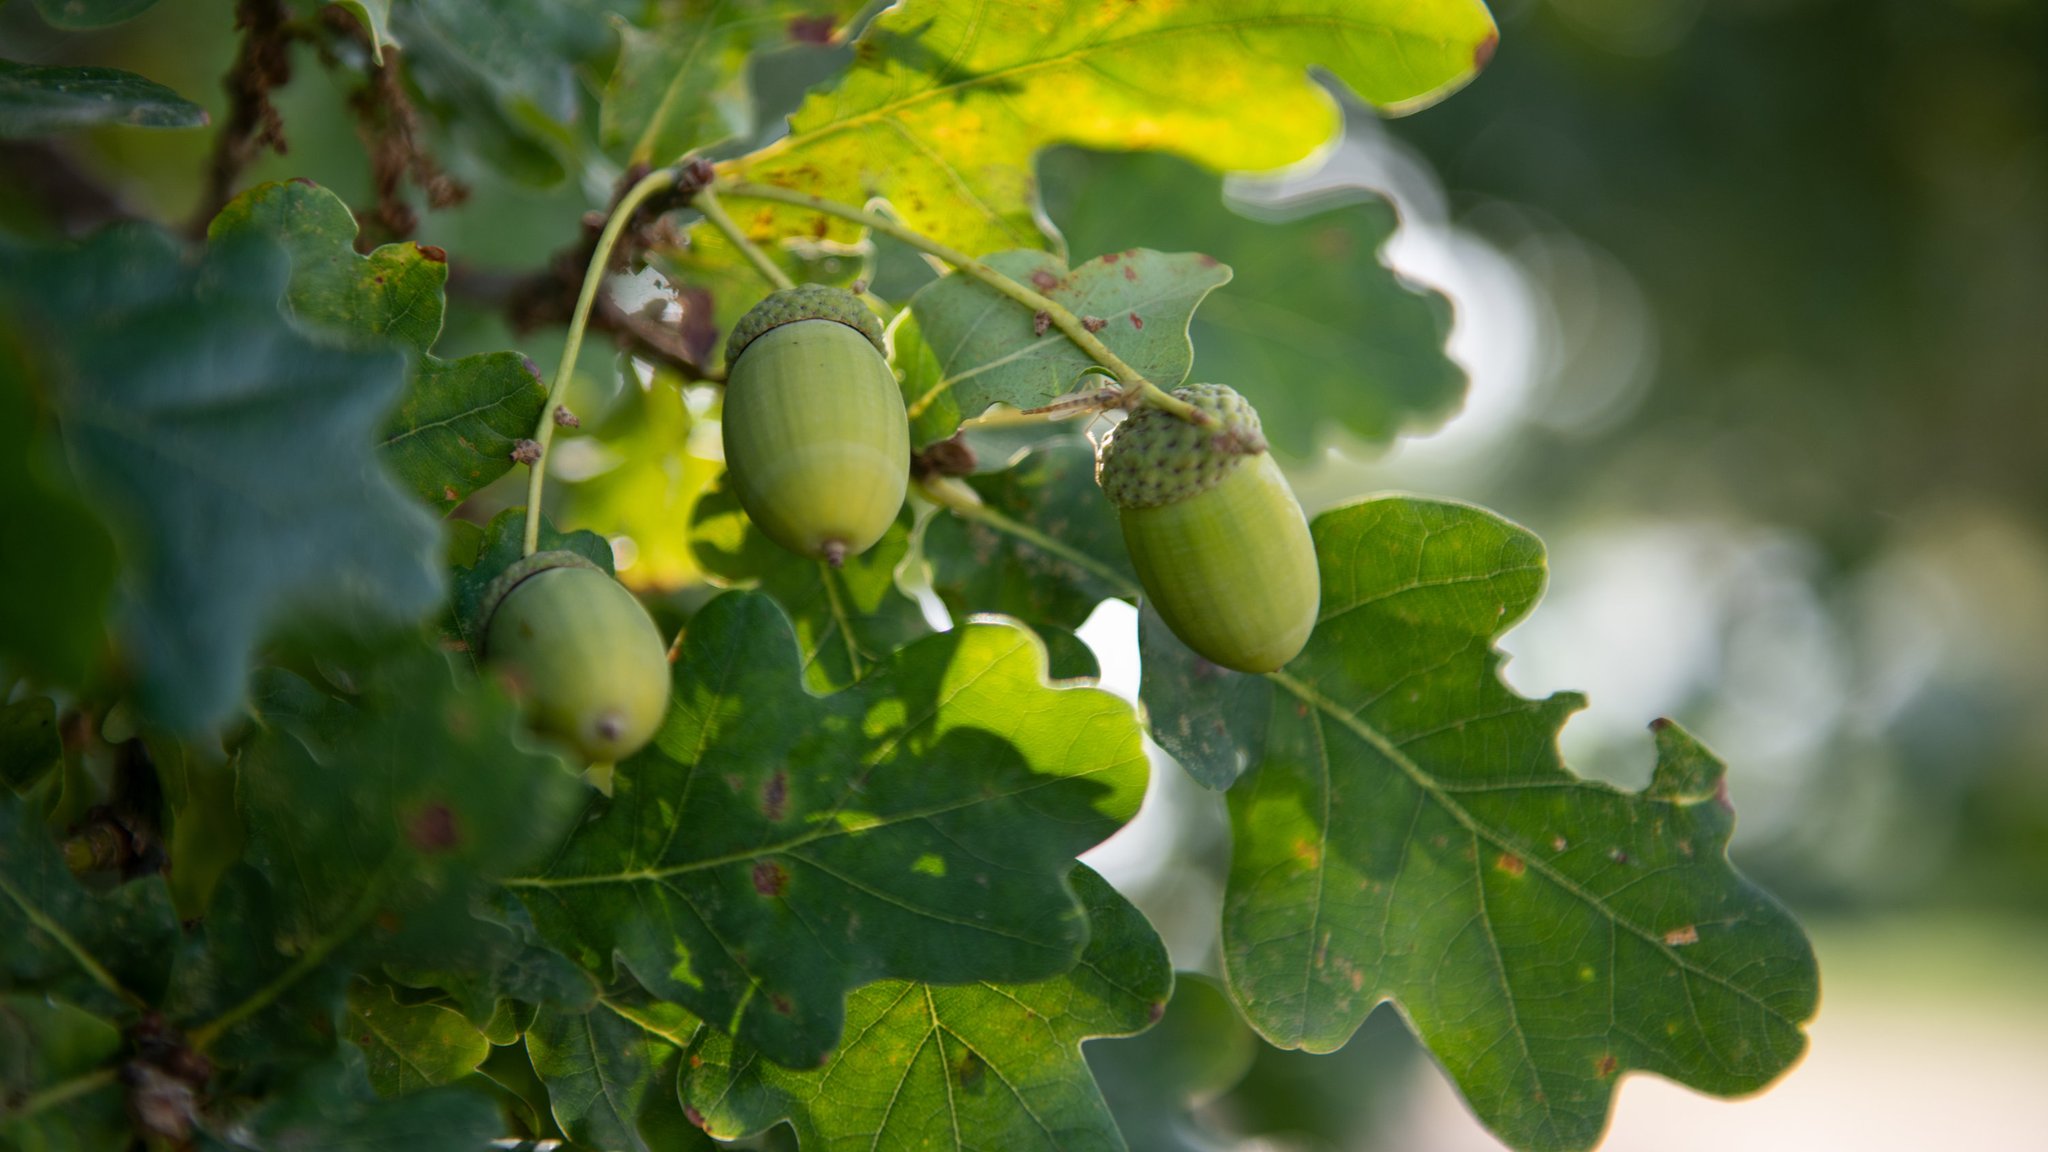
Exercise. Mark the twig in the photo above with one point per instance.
(262, 64)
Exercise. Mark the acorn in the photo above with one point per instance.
(816, 440)
(580, 651)
(1218, 540)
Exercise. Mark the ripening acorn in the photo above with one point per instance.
(816, 440)
(1219, 542)
(580, 652)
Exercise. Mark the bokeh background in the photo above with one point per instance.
(1753, 296)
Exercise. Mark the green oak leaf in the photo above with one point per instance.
(948, 100)
(375, 16)
(848, 619)
(42, 100)
(651, 483)
(1315, 330)
(407, 1047)
(455, 428)
(59, 938)
(772, 849)
(380, 817)
(991, 349)
(681, 82)
(233, 455)
(1045, 547)
(331, 1107)
(984, 1065)
(46, 1043)
(78, 15)
(1405, 830)
(612, 1077)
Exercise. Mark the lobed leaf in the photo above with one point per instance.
(43, 100)
(232, 454)
(612, 1080)
(772, 849)
(1315, 330)
(455, 428)
(407, 1047)
(984, 1065)
(991, 350)
(948, 100)
(1405, 830)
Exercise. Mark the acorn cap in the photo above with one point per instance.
(804, 302)
(1155, 457)
(514, 575)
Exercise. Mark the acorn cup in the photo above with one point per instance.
(816, 440)
(579, 651)
(1218, 540)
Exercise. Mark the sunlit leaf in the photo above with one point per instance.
(991, 350)
(649, 489)
(773, 849)
(1315, 330)
(1405, 830)
(974, 1066)
(234, 455)
(407, 1047)
(848, 619)
(42, 100)
(455, 428)
(945, 105)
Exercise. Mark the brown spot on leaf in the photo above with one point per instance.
(781, 1004)
(432, 254)
(1511, 864)
(1136, 322)
(1131, 273)
(1680, 937)
(811, 29)
(434, 829)
(1617, 855)
(1608, 1065)
(769, 878)
(689, 1113)
(1044, 281)
(449, 493)
(1559, 844)
(1157, 1010)
(775, 796)
(1094, 323)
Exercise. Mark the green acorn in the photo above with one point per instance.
(580, 652)
(816, 440)
(1219, 542)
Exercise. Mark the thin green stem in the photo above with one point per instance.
(70, 944)
(1061, 316)
(707, 203)
(827, 573)
(1123, 585)
(61, 1093)
(659, 180)
(203, 1036)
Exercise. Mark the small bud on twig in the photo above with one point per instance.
(1094, 323)
(565, 418)
(1040, 322)
(526, 452)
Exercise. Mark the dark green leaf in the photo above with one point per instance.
(975, 1066)
(612, 1082)
(46, 1045)
(56, 558)
(1046, 548)
(1407, 831)
(331, 1107)
(1314, 330)
(847, 619)
(945, 107)
(992, 350)
(772, 849)
(59, 938)
(38, 100)
(29, 743)
(455, 428)
(233, 454)
(408, 1047)
(502, 962)
(206, 837)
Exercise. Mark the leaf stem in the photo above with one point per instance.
(1061, 316)
(61, 1093)
(70, 944)
(707, 203)
(659, 180)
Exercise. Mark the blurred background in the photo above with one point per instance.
(1753, 297)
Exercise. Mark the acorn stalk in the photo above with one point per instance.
(1218, 540)
(816, 440)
